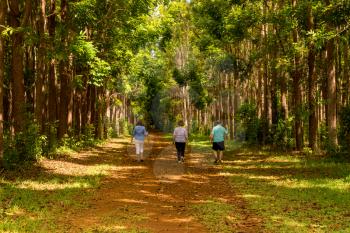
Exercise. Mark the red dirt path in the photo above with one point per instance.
(155, 195)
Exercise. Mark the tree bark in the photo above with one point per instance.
(346, 76)
(3, 11)
(17, 74)
(41, 66)
(52, 93)
(65, 78)
(331, 91)
(296, 75)
(331, 95)
(312, 86)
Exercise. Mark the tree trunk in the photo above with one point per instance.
(65, 78)
(331, 95)
(52, 93)
(296, 75)
(312, 86)
(41, 67)
(17, 75)
(3, 9)
(346, 77)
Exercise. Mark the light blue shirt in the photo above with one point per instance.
(219, 133)
(139, 132)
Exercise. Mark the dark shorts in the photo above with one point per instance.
(218, 146)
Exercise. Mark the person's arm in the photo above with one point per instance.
(211, 136)
(174, 135)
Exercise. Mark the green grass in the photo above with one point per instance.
(291, 193)
(32, 204)
(294, 194)
(215, 215)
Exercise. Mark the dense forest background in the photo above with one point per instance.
(274, 72)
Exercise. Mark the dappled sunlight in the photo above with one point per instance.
(36, 185)
(332, 184)
(129, 168)
(250, 196)
(157, 195)
(176, 220)
(288, 222)
(73, 169)
(132, 201)
(15, 211)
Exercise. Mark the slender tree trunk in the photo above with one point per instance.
(331, 95)
(346, 76)
(52, 92)
(41, 67)
(18, 90)
(296, 74)
(331, 91)
(312, 86)
(230, 107)
(3, 10)
(284, 101)
(273, 92)
(65, 87)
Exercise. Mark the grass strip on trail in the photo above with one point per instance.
(292, 193)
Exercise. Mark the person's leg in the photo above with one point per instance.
(141, 150)
(137, 145)
(183, 150)
(215, 151)
(220, 156)
(178, 150)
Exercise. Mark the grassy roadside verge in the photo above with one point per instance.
(291, 193)
(33, 198)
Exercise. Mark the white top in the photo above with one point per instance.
(180, 134)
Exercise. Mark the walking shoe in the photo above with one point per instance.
(216, 161)
(182, 159)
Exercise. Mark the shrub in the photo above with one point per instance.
(26, 146)
(283, 135)
(249, 122)
(344, 129)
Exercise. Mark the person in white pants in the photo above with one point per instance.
(138, 135)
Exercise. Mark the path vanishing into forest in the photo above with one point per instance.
(154, 196)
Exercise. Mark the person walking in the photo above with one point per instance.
(180, 137)
(138, 135)
(217, 138)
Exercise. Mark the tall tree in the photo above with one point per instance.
(19, 17)
(41, 64)
(312, 82)
(3, 11)
(331, 89)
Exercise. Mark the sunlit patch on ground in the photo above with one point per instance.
(293, 194)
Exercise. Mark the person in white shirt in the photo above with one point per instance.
(180, 137)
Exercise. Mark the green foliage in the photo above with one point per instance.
(344, 129)
(25, 147)
(283, 135)
(84, 51)
(249, 122)
(100, 69)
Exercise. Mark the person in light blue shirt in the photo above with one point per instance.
(138, 135)
(217, 138)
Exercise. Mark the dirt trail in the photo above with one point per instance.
(155, 195)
